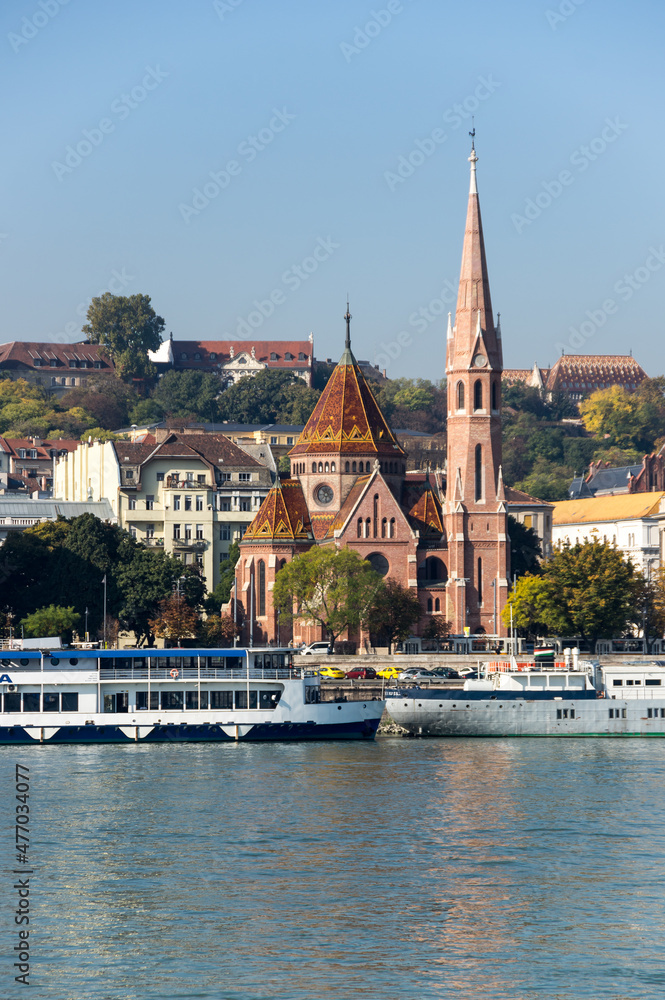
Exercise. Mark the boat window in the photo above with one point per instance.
(221, 699)
(638, 682)
(616, 682)
(652, 682)
(623, 713)
(191, 699)
(241, 699)
(171, 700)
(203, 699)
(234, 663)
(215, 661)
(270, 699)
(31, 702)
(629, 683)
(51, 702)
(54, 661)
(70, 701)
(12, 702)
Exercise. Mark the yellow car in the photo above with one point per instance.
(333, 673)
(388, 673)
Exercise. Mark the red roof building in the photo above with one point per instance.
(56, 367)
(235, 359)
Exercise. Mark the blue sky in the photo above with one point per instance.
(291, 120)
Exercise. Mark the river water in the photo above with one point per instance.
(395, 869)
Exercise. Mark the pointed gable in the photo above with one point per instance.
(347, 418)
(283, 516)
(423, 509)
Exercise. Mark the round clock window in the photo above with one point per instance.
(324, 494)
(480, 361)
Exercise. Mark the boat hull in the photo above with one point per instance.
(284, 732)
(430, 713)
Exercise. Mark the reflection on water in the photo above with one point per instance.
(397, 869)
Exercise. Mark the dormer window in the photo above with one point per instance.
(213, 356)
(98, 364)
(53, 362)
(22, 453)
(37, 362)
(73, 364)
(302, 357)
(33, 453)
(273, 356)
(288, 356)
(183, 356)
(197, 356)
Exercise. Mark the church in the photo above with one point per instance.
(447, 538)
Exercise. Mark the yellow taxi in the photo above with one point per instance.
(388, 673)
(332, 673)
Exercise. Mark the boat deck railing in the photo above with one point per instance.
(166, 674)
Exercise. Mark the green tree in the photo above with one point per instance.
(188, 395)
(529, 602)
(546, 482)
(263, 399)
(51, 621)
(108, 400)
(218, 630)
(586, 590)
(525, 550)
(128, 327)
(436, 628)
(393, 612)
(222, 592)
(146, 411)
(332, 588)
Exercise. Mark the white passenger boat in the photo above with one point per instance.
(591, 700)
(170, 695)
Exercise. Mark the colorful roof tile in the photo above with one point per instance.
(423, 509)
(283, 515)
(346, 419)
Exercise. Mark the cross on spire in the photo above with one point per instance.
(348, 318)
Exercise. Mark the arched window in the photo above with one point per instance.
(460, 395)
(480, 581)
(360, 527)
(332, 466)
(320, 466)
(347, 467)
(353, 467)
(429, 605)
(375, 531)
(495, 401)
(384, 526)
(391, 533)
(433, 569)
(327, 467)
(262, 588)
(478, 395)
(479, 472)
(313, 466)
(437, 604)
(368, 527)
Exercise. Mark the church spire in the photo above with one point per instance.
(474, 304)
(347, 357)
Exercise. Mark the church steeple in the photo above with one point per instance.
(474, 304)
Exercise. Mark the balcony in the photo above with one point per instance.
(176, 483)
(192, 544)
(154, 543)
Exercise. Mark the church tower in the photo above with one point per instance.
(476, 520)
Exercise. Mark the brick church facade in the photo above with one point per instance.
(349, 486)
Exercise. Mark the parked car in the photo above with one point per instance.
(361, 673)
(445, 672)
(388, 673)
(332, 673)
(314, 649)
(416, 674)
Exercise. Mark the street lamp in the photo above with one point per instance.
(87, 639)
